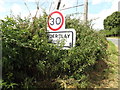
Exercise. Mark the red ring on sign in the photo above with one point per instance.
(60, 25)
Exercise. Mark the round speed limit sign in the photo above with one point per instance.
(55, 20)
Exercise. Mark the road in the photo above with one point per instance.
(114, 40)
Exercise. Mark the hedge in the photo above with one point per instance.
(30, 59)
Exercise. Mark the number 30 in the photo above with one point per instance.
(56, 21)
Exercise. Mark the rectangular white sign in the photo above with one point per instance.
(67, 37)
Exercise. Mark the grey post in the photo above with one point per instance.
(119, 6)
(85, 10)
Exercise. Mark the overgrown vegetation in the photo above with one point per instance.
(31, 61)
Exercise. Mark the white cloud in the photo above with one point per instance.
(16, 9)
(2, 8)
(94, 2)
(99, 18)
(39, 1)
(1, 2)
(103, 14)
(39, 13)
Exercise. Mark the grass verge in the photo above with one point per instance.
(106, 74)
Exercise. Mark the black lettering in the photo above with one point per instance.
(68, 35)
(52, 21)
(51, 35)
(65, 36)
(61, 36)
(56, 36)
(58, 20)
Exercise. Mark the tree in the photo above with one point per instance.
(112, 23)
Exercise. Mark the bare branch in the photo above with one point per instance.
(27, 7)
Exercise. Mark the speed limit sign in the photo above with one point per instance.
(57, 33)
(56, 21)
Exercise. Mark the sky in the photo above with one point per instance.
(98, 10)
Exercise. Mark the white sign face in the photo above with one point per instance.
(57, 33)
(56, 21)
(66, 37)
